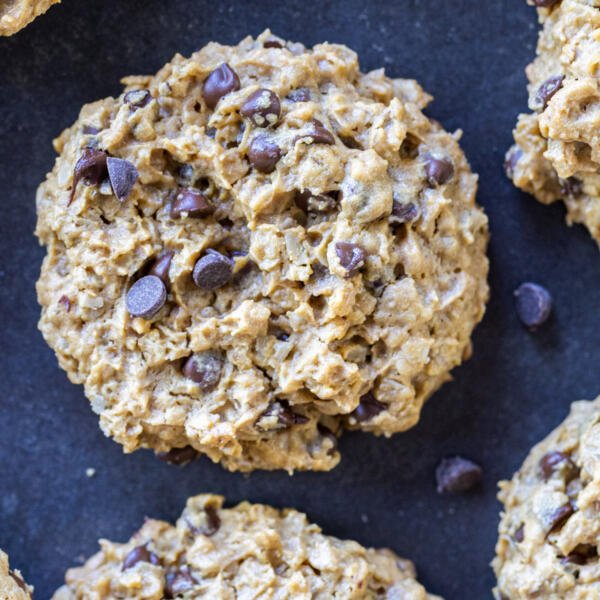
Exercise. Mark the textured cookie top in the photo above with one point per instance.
(250, 551)
(16, 14)
(550, 528)
(12, 584)
(557, 151)
(258, 247)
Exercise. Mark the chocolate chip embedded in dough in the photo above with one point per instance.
(285, 417)
(212, 271)
(519, 534)
(316, 203)
(140, 554)
(368, 408)
(178, 582)
(316, 134)
(137, 98)
(65, 301)
(204, 368)
(351, 256)
(512, 160)
(262, 107)
(571, 187)
(403, 213)
(90, 167)
(179, 456)
(547, 90)
(438, 171)
(560, 516)
(146, 297)
(456, 474)
(211, 525)
(161, 267)
(533, 303)
(272, 44)
(122, 176)
(556, 462)
(191, 202)
(219, 83)
(299, 95)
(264, 154)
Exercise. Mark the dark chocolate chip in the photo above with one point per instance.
(299, 95)
(219, 83)
(560, 516)
(19, 581)
(533, 303)
(204, 368)
(545, 3)
(404, 213)
(211, 525)
(146, 297)
(316, 203)
(264, 154)
(192, 202)
(316, 134)
(512, 159)
(286, 417)
(140, 554)
(122, 175)
(368, 408)
(456, 474)
(178, 582)
(212, 271)
(161, 267)
(90, 130)
(262, 107)
(65, 302)
(137, 98)
(439, 171)
(272, 44)
(328, 434)
(179, 456)
(351, 256)
(547, 90)
(554, 462)
(519, 534)
(580, 555)
(571, 187)
(91, 168)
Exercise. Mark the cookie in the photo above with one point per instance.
(12, 584)
(557, 150)
(249, 551)
(16, 14)
(256, 248)
(549, 533)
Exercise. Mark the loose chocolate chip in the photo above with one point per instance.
(512, 159)
(146, 297)
(272, 44)
(264, 154)
(368, 408)
(520, 534)
(179, 456)
(438, 170)
(122, 175)
(299, 95)
(317, 134)
(262, 107)
(161, 267)
(547, 90)
(212, 271)
(404, 213)
(66, 302)
(571, 187)
(219, 83)
(19, 581)
(533, 303)
(351, 256)
(204, 368)
(545, 3)
(553, 462)
(316, 203)
(178, 582)
(91, 167)
(284, 414)
(137, 98)
(192, 202)
(140, 554)
(456, 474)
(560, 516)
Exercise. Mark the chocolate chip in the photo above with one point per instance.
(262, 107)
(285, 417)
(178, 582)
(179, 456)
(403, 213)
(571, 187)
(316, 203)
(554, 462)
(212, 271)
(122, 175)
(19, 581)
(272, 44)
(66, 302)
(351, 256)
(219, 83)
(264, 154)
(533, 303)
(204, 368)
(192, 202)
(328, 434)
(368, 408)
(161, 267)
(512, 159)
(137, 98)
(317, 134)
(580, 555)
(439, 171)
(91, 167)
(559, 517)
(547, 90)
(90, 130)
(140, 554)
(146, 297)
(545, 3)
(456, 474)
(519, 534)
(211, 525)
(299, 95)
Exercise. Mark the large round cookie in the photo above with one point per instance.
(549, 534)
(557, 151)
(249, 551)
(258, 247)
(16, 14)
(12, 584)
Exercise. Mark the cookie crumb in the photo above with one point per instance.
(90, 472)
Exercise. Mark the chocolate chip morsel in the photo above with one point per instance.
(351, 256)
(264, 154)
(571, 187)
(137, 98)
(210, 525)
(179, 456)
(161, 267)
(192, 203)
(403, 213)
(520, 533)
(140, 554)
(262, 107)
(178, 582)
(316, 203)
(512, 160)
(272, 44)
(533, 303)
(212, 271)
(547, 90)
(122, 175)
(204, 368)
(556, 462)
(219, 83)
(438, 171)
(146, 297)
(279, 415)
(91, 168)
(456, 474)
(560, 516)
(299, 95)
(368, 408)
(316, 134)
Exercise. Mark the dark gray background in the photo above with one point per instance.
(470, 54)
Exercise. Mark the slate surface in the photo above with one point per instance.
(470, 55)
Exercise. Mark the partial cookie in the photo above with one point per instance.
(249, 551)
(256, 248)
(550, 528)
(557, 151)
(12, 584)
(16, 14)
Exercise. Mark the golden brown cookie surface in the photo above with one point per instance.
(12, 584)
(16, 14)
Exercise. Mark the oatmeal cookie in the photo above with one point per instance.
(12, 584)
(549, 533)
(249, 551)
(256, 248)
(16, 14)
(557, 150)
